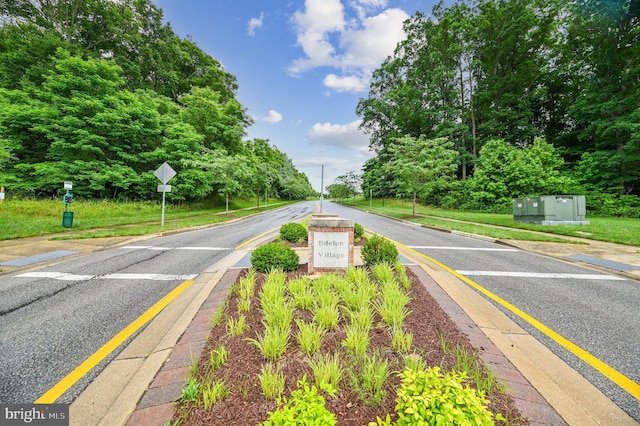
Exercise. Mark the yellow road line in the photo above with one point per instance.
(63, 385)
(615, 376)
(242, 245)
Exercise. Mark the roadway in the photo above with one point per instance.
(55, 317)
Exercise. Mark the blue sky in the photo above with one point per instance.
(301, 67)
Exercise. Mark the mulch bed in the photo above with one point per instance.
(247, 406)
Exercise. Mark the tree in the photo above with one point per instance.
(347, 185)
(416, 162)
(504, 172)
(230, 173)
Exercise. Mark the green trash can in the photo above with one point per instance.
(67, 219)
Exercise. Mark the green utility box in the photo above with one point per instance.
(67, 219)
(551, 210)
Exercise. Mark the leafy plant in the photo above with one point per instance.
(217, 357)
(357, 340)
(272, 381)
(237, 327)
(400, 340)
(430, 397)
(309, 336)
(275, 255)
(302, 293)
(217, 318)
(244, 305)
(190, 391)
(305, 407)
(379, 250)
(293, 232)
(273, 342)
(214, 392)
(391, 305)
(327, 371)
(358, 231)
(369, 381)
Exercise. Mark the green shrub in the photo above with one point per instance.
(358, 232)
(430, 397)
(293, 232)
(275, 255)
(305, 407)
(379, 250)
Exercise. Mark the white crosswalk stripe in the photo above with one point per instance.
(63, 276)
(540, 275)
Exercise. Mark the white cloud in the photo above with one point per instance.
(355, 41)
(368, 46)
(273, 117)
(345, 84)
(345, 136)
(314, 27)
(254, 24)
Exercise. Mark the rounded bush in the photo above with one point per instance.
(358, 231)
(293, 232)
(275, 255)
(379, 250)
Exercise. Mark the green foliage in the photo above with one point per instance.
(213, 392)
(275, 255)
(293, 232)
(431, 397)
(273, 343)
(369, 377)
(309, 336)
(110, 122)
(190, 391)
(271, 380)
(305, 407)
(358, 231)
(504, 172)
(379, 250)
(327, 372)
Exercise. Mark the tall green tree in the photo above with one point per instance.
(504, 172)
(604, 62)
(418, 162)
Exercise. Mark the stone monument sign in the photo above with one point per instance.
(330, 244)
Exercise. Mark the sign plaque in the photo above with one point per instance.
(331, 250)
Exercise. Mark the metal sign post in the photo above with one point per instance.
(165, 173)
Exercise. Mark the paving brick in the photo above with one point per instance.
(153, 416)
(161, 395)
(170, 376)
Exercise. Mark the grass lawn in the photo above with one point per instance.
(610, 229)
(27, 218)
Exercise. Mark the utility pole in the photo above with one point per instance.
(321, 187)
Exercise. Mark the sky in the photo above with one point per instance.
(301, 67)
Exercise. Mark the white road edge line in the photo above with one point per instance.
(175, 248)
(74, 277)
(540, 275)
(461, 248)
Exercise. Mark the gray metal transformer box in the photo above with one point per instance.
(551, 210)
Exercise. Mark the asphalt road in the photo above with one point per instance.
(53, 321)
(54, 318)
(595, 311)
